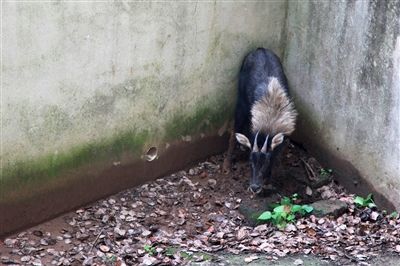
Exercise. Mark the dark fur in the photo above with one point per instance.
(257, 68)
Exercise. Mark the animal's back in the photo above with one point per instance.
(257, 69)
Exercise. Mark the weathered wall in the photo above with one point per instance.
(98, 83)
(343, 63)
(88, 87)
(75, 72)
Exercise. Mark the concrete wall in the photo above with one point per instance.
(96, 84)
(77, 72)
(87, 88)
(343, 63)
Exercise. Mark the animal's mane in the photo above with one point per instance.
(274, 113)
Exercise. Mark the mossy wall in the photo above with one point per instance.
(86, 83)
(342, 59)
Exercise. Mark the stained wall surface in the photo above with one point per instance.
(343, 63)
(77, 72)
(88, 87)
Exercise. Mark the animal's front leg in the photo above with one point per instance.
(226, 168)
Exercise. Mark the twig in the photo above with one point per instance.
(310, 172)
(97, 238)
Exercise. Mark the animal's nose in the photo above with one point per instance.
(255, 188)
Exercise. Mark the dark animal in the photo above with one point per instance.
(264, 114)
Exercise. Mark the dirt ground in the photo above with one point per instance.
(201, 215)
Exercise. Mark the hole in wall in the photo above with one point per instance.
(151, 154)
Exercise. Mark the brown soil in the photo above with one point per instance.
(202, 212)
(180, 206)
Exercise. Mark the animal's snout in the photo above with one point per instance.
(255, 188)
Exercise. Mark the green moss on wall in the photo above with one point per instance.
(52, 165)
(207, 115)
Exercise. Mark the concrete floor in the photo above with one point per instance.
(308, 260)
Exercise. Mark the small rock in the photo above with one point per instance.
(261, 228)
(228, 205)
(10, 242)
(119, 231)
(242, 233)
(43, 242)
(112, 201)
(146, 233)
(25, 258)
(298, 262)
(147, 260)
(327, 194)
(290, 228)
(67, 236)
(220, 234)
(250, 259)
(329, 207)
(309, 191)
(81, 237)
(397, 248)
(216, 217)
(104, 248)
(374, 216)
(37, 262)
(342, 227)
(212, 183)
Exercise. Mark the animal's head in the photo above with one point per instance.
(261, 157)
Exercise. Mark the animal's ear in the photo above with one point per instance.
(276, 140)
(242, 139)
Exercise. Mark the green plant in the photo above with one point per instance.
(149, 250)
(394, 215)
(170, 251)
(365, 202)
(325, 172)
(186, 255)
(285, 212)
(110, 259)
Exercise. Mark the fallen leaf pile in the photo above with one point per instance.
(193, 216)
